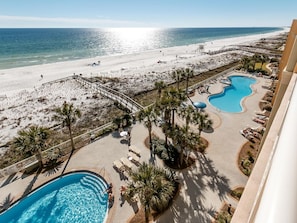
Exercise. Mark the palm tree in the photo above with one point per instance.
(148, 116)
(174, 98)
(159, 85)
(245, 61)
(154, 186)
(188, 114)
(68, 115)
(178, 75)
(263, 58)
(127, 119)
(184, 140)
(189, 73)
(203, 121)
(118, 122)
(32, 141)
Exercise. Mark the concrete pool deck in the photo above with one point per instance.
(204, 187)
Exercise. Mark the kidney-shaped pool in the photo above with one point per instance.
(74, 197)
(231, 98)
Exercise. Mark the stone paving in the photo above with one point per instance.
(205, 186)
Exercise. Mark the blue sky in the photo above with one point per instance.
(149, 13)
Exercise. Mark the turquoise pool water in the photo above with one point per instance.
(230, 99)
(76, 197)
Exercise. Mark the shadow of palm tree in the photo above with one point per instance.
(52, 169)
(72, 151)
(215, 181)
(6, 203)
(30, 186)
(9, 179)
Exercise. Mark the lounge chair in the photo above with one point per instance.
(260, 121)
(134, 149)
(264, 112)
(247, 134)
(127, 163)
(261, 117)
(118, 165)
(133, 157)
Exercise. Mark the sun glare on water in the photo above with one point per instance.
(134, 38)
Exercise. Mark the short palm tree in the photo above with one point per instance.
(68, 115)
(118, 122)
(159, 85)
(173, 97)
(154, 186)
(188, 73)
(148, 116)
(32, 141)
(245, 62)
(203, 121)
(178, 75)
(188, 114)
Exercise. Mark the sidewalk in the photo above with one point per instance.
(204, 187)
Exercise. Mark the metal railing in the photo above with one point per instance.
(64, 148)
(112, 94)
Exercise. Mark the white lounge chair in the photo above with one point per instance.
(119, 165)
(134, 149)
(127, 163)
(261, 112)
(133, 157)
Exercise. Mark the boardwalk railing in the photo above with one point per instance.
(65, 147)
(114, 95)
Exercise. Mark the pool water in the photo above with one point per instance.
(231, 98)
(75, 197)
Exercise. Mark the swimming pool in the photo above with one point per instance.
(231, 98)
(75, 197)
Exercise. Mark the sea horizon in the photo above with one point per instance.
(35, 46)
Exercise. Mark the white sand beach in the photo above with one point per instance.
(27, 97)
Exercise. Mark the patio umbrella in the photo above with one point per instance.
(199, 104)
(123, 133)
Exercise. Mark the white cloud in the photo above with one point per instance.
(60, 22)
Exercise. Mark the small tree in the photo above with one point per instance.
(154, 186)
(148, 116)
(32, 141)
(68, 115)
(203, 121)
(159, 85)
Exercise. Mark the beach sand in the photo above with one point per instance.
(27, 97)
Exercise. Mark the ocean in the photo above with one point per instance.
(25, 47)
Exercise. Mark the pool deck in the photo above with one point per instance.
(204, 187)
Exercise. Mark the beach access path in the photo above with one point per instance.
(204, 186)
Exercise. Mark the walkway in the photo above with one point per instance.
(114, 95)
(204, 188)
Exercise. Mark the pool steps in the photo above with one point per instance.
(98, 187)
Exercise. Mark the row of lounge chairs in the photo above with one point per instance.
(252, 133)
(126, 163)
(203, 89)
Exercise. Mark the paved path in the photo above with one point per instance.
(204, 187)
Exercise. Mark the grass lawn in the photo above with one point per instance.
(258, 66)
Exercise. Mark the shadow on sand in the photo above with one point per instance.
(197, 182)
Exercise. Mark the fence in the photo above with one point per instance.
(63, 149)
(121, 98)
